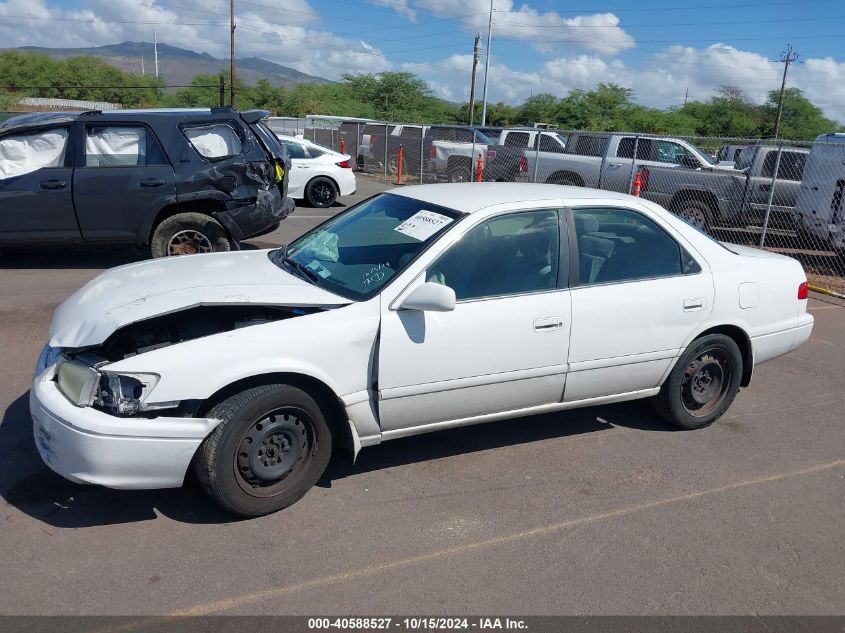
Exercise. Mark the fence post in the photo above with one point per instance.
(332, 145)
(357, 143)
(472, 160)
(222, 90)
(633, 164)
(771, 196)
(422, 152)
(385, 152)
(536, 158)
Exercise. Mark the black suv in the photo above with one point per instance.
(180, 181)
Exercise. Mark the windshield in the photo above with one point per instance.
(745, 158)
(356, 253)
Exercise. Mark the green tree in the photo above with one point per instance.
(800, 118)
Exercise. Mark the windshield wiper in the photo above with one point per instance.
(292, 263)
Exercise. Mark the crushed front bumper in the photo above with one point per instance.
(85, 445)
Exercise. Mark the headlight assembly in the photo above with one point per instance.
(125, 394)
(77, 382)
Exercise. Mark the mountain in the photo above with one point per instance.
(179, 65)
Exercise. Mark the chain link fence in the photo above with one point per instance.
(782, 196)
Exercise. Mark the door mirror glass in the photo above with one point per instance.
(430, 297)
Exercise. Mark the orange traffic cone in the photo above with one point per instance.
(638, 185)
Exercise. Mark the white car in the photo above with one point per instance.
(318, 174)
(422, 308)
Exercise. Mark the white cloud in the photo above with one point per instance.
(200, 25)
(599, 32)
(400, 6)
(660, 81)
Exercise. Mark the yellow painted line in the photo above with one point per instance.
(379, 568)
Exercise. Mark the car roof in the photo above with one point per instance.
(469, 197)
(44, 118)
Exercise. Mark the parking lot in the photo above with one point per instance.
(602, 510)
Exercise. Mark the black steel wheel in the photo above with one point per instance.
(321, 192)
(270, 448)
(703, 383)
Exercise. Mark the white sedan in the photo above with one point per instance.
(318, 174)
(420, 309)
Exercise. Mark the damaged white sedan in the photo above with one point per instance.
(420, 309)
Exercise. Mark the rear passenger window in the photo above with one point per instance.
(25, 153)
(516, 139)
(511, 254)
(791, 165)
(617, 245)
(216, 141)
(590, 145)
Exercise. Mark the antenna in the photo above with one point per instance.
(155, 49)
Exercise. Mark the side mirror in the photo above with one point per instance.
(430, 297)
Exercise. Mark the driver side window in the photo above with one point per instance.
(510, 254)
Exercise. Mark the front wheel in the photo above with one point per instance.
(703, 383)
(321, 192)
(188, 234)
(270, 448)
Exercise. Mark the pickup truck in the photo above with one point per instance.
(454, 153)
(738, 196)
(677, 175)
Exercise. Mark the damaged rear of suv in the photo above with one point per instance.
(177, 181)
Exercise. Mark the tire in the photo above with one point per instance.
(697, 213)
(459, 171)
(187, 234)
(703, 383)
(321, 192)
(251, 464)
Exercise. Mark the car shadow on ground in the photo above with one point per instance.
(29, 486)
(72, 257)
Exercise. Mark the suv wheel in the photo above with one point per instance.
(188, 234)
(270, 448)
(320, 192)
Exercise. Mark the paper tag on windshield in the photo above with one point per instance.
(423, 224)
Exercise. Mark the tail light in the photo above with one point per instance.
(432, 152)
(345, 164)
(644, 179)
(373, 139)
(491, 154)
(523, 164)
(803, 291)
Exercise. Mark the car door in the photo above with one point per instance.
(301, 167)
(121, 181)
(787, 184)
(505, 345)
(36, 176)
(640, 296)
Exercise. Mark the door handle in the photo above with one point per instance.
(691, 305)
(53, 184)
(153, 182)
(614, 165)
(548, 324)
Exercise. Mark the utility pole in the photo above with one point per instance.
(487, 64)
(472, 83)
(142, 64)
(786, 58)
(232, 53)
(155, 49)
(686, 96)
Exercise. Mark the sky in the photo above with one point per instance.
(663, 50)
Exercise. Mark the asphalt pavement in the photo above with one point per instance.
(604, 510)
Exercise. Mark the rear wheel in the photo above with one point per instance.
(321, 192)
(696, 213)
(703, 383)
(188, 234)
(270, 448)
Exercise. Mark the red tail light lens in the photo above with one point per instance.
(803, 291)
(523, 164)
(373, 139)
(345, 164)
(491, 154)
(432, 152)
(643, 179)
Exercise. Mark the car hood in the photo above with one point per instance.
(136, 292)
